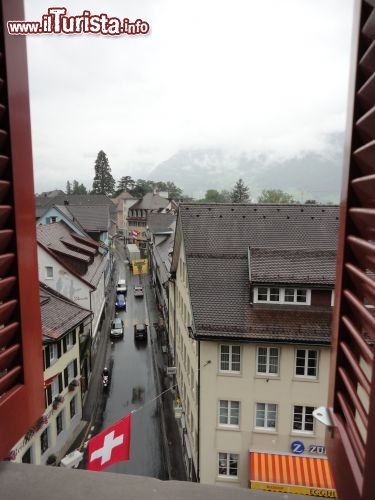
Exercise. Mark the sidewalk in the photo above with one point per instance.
(170, 431)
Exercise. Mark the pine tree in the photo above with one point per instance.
(103, 183)
(68, 188)
(126, 183)
(240, 192)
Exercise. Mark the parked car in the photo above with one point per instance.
(140, 331)
(138, 291)
(120, 301)
(117, 328)
(121, 287)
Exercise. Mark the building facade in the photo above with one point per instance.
(249, 332)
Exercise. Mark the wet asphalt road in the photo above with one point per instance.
(133, 387)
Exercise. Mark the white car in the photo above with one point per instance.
(117, 328)
(121, 287)
(138, 291)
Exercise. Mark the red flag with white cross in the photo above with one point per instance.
(110, 446)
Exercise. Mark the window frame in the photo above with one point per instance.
(267, 372)
(53, 354)
(73, 407)
(227, 466)
(303, 422)
(266, 417)
(228, 423)
(230, 369)
(47, 274)
(44, 434)
(305, 375)
(60, 422)
(281, 295)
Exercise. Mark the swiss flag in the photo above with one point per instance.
(110, 446)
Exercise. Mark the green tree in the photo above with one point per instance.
(68, 188)
(126, 183)
(78, 188)
(214, 196)
(275, 196)
(311, 202)
(240, 192)
(142, 187)
(103, 183)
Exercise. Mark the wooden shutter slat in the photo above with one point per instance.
(362, 281)
(364, 251)
(358, 340)
(367, 62)
(7, 285)
(369, 26)
(357, 370)
(352, 430)
(352, 391)
(366, 93)
(9, 379)
(4, 162)
(364, 188)
(6, 236)
(8, 333)
(364, 157)
(6, 310)
(364, 219)
(366, 125)
(8, 355)
(6, 260)
(362, 314)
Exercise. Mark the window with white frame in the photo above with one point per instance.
(49, 272)
(265, 415)
(268, 360)
(307, 363)
(70, 340)
(60, 422)
(303, 420)
(44, 441)
(70, 369)
(228, 464)
(282, 295)
(73, 406)
(55, 387)
(52, 354)
(229, 412)
(230, 358)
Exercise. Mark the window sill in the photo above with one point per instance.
(229, 374)
(261, 430)
(302, 378)
(303, 433)
(230, 479)
(228, 427)
(267, 376)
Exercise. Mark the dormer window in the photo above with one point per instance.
(282, 295)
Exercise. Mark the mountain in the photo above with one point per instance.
(309, 175)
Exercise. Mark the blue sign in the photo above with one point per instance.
(297, 447)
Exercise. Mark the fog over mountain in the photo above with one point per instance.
(308, 175)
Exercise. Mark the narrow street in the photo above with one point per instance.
(133, 383)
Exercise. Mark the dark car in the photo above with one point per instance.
(140, 331)
(120, 301)
(117, 328)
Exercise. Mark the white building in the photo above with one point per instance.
(249, 328)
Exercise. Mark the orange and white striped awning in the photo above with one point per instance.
(291, 474)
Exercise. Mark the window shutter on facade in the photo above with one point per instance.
(75, 367)
(64, 345)
(60, 382)
(21, 365)
(66, 377)
(58, 343)
(351, 439)
(49, 395)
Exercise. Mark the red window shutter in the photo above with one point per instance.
(351, 440)
(21, 374)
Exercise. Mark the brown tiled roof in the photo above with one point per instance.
(57, 239)
(303, 266)
(59, 314)
(151, 201)
(43, 203)
(93, 218)
(216, 239)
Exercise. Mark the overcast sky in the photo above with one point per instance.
(243, 75)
